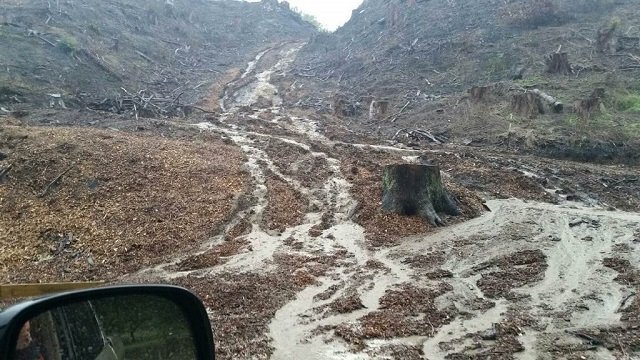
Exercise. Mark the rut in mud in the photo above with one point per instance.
(527, 280)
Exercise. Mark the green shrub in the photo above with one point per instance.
(628, 103)
(68, 44)
(495, 65)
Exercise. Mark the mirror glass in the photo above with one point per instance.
(137, 327)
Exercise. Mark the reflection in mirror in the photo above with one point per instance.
(136, 327)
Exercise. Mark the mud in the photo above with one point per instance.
(371, 302)
(539, 255)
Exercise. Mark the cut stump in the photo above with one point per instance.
(527, 104)
(413, 189)
(558, 63)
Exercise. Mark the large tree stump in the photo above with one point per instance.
(527, 104)
(558, 63)
(413, 189)
(343, 108)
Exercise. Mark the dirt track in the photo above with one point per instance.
(527, 280)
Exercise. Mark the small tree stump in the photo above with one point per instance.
(527, 104)
(606, 39)
(415, 189)
(343, 108)
(478, 93)
(558, 63)
(587, 107)
(378, 109)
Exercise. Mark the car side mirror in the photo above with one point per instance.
(111, 323)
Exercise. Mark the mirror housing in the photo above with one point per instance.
(186, 304)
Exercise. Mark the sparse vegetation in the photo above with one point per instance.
(533, 13)
(629, 102)
(535, 80)
(496, 65)
(68, 44)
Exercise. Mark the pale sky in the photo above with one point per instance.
(330, 13)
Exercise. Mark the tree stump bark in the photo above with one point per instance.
(587, 107)
(478, 93)
(558, 63)
(606, 40)
(527, 104)
(414, 189)
(378, 109)
(343, 108)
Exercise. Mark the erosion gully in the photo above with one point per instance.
(574, 275)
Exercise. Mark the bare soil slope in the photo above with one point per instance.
(87, 50)
(424, 56)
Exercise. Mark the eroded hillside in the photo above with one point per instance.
(267, 201)
(86, 51)
(424, 58)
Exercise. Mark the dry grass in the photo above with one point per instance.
(126, 201)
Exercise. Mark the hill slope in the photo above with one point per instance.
(87, 50)
(424, 56)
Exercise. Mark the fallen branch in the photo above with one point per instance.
(624, 301)
(144, 56)
(201, 109)
(48, 188)
(93, 58)
(397, 115)
(419, 135)
(141, 104)
(5, 171)
(45, 40)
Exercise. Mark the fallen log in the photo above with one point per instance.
(397, 115)
(419, 135)
(411, 189)
(556, 106)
